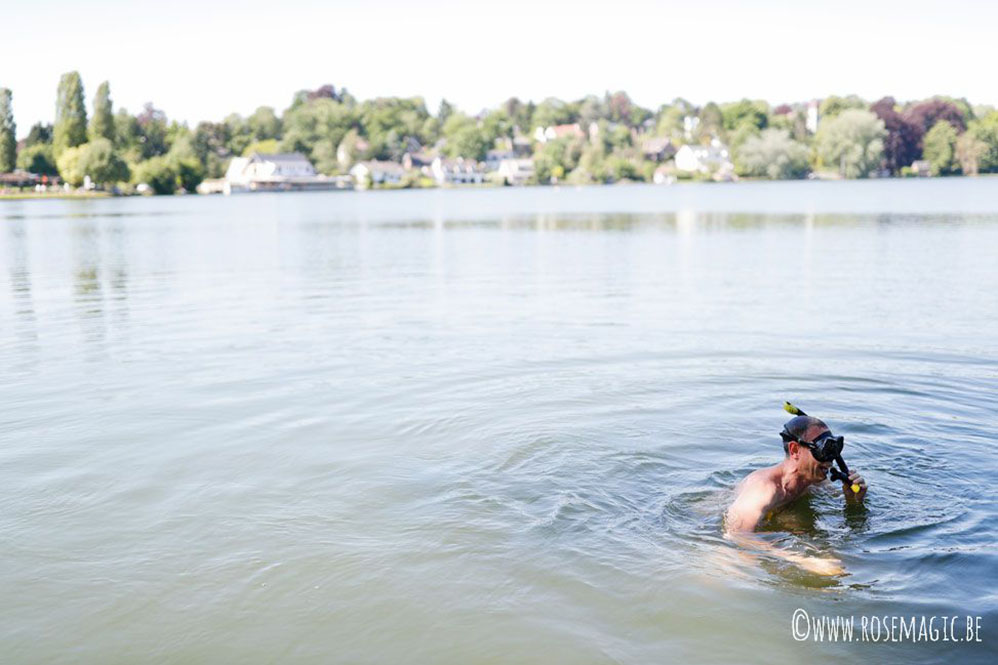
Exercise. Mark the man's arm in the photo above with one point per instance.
(753, 501)
(745, 514)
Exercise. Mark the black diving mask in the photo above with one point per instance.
(825, 447)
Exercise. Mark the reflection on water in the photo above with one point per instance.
(480, 426)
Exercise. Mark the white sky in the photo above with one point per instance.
(203, 60)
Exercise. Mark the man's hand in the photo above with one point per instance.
(820, 565)
(854, 479)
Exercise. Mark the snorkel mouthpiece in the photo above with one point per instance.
(842, 473)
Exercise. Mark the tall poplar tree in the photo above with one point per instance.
(8, 132)
(70, 114)
(102, 122)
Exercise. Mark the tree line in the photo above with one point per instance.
(333, 129)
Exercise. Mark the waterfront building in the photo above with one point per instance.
(713, 158)
(516, 171)
(658, 148)
(375, 172)
(418, 161)
(270, 173)
(458, 171)
(494, 157)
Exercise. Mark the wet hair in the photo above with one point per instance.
(796, 428)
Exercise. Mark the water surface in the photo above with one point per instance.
(489, 426)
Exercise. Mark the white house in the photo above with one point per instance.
(545, 134)
(458, 171)
(812, 117)
(377, 173)
(494, 157)
(711, 158)
(516, 171)
(267, 173)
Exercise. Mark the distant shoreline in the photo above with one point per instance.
(30, 196)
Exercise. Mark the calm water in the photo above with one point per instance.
(489, 426)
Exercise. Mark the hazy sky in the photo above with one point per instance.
(203, 60)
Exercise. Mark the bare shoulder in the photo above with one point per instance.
(754, 496)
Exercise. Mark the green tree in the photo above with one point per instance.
(8, 132)
(593, 109)
(741, 134)
(834, 105)
(556, 158)
(430, 131)
(711, 119)
(391, 124)
(518, 112)
(321, 119)
(773, 154)
(591, 166)
(622, 167)
(464, 139)
(265, 147)
(102, 122)
(39, 133)
(128, 136)
(158, 173)
(985, 130)
(69, 166)
(670, 122)
(620, 137)
(264, 124)
(969, 151)
(153, 131)
(70, 128)
(324, 157)
(445, 111)
(211, 144)
(745, 112)
(184, 161)
(98, 160)
(37, 158)
(351, 148)
(553, 111)
(852, 142)
(497, 124)
(940, 148)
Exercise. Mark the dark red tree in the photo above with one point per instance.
(927, 113)
(324, 92)
(904, 138)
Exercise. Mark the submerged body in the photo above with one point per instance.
(765, 491)
(768, 490)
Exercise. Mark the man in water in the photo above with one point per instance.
(767, 490)
(809, 449)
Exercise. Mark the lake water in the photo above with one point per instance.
(490, 426)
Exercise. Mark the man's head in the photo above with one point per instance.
(796, 434)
